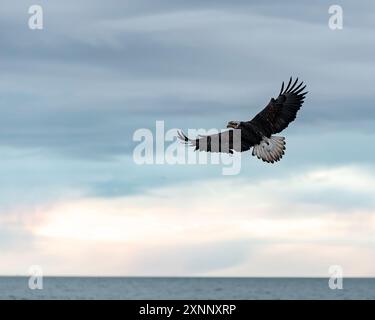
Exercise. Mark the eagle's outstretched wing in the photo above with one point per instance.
(277, 115)
(225, 142)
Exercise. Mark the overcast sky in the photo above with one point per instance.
(73, 201)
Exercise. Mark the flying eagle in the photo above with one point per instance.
(258, 132)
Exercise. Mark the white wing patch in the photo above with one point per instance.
(270, 149)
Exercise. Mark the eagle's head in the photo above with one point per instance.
(233, 124)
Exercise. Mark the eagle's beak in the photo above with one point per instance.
(231, 125)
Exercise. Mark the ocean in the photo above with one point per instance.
(186, 288)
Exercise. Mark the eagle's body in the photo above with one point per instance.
(258, 132)
(251, 134)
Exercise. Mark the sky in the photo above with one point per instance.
(74, 202)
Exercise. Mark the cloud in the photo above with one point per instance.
(72, 95)
(97, 75)
(226, 226)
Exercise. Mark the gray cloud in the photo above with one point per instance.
(96, 74)
(78, 89)
(72, 95)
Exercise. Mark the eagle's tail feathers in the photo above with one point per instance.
(270, 149)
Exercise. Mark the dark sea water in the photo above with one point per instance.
(186, 288)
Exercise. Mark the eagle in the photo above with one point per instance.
(257, 133)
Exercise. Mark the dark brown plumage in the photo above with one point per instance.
(258, 132)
